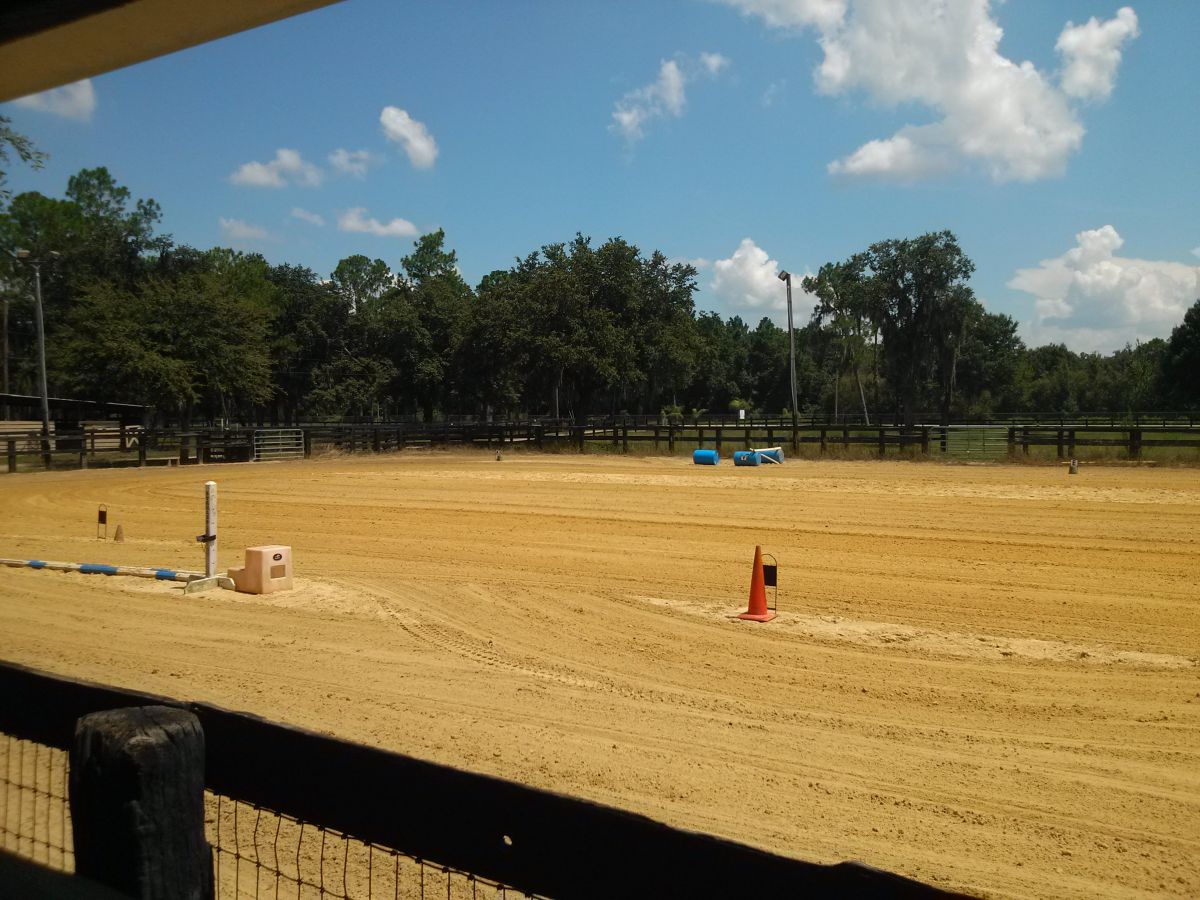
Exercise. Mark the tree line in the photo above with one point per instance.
(572, 329)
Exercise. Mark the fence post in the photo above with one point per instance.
(1135, 443)
(1012, 442)
(625, 438)
(12, 455)
(882, 445)
(925, 440)
(137, 802)
(671, 438)
(718, 440)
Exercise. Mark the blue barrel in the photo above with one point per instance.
(775, 453)
(705, 457)
(746, 458)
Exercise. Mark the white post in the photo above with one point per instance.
(210, 529)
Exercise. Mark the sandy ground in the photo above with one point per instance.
(983, 677)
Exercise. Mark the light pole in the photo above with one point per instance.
(22, 255)
(787, 278)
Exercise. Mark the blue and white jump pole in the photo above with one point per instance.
(102, 569)
(195, 581)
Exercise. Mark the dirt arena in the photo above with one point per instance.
(987, 678)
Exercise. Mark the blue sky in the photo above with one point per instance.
(745, 135)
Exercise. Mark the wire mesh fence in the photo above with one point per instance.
(258, 853)
(35, 818)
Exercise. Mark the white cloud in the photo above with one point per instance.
(794, 14)
(995, 114)
(351, 162)
(412, 135)
(665, 96)
(304, 215)
(697, 263)
(1092, 53)
(713, 63)
(238, 230)
(356, 220)
(772, 92)
(911, 154)
(72, 101)
(288, 167)
(749, 279)
(1092, 299)
(1196, 251)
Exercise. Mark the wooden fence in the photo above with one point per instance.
(121, 445)
(538, 842)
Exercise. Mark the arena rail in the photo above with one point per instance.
(383, 808)
(135, 446)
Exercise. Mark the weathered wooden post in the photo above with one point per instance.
(882, 445)
(12, 455)
(925, 440)
(1135, 443)
(137, 803)
(625, 438)
(142, 439)
(1060, 444)
(1012, 441)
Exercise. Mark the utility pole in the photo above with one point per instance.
(787, 278)
(25, 256)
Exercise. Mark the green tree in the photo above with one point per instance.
(1181, 362)
(13, 141)
(358, 279)
(439, 300)
(311, 326)
(845, 307)
(193, 344)
(987, 366)
(917, 283)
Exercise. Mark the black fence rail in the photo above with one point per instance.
(142, 447)
(303, 814)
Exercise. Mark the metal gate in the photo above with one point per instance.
(278, 443)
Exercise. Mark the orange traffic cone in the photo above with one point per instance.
(758, 611)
